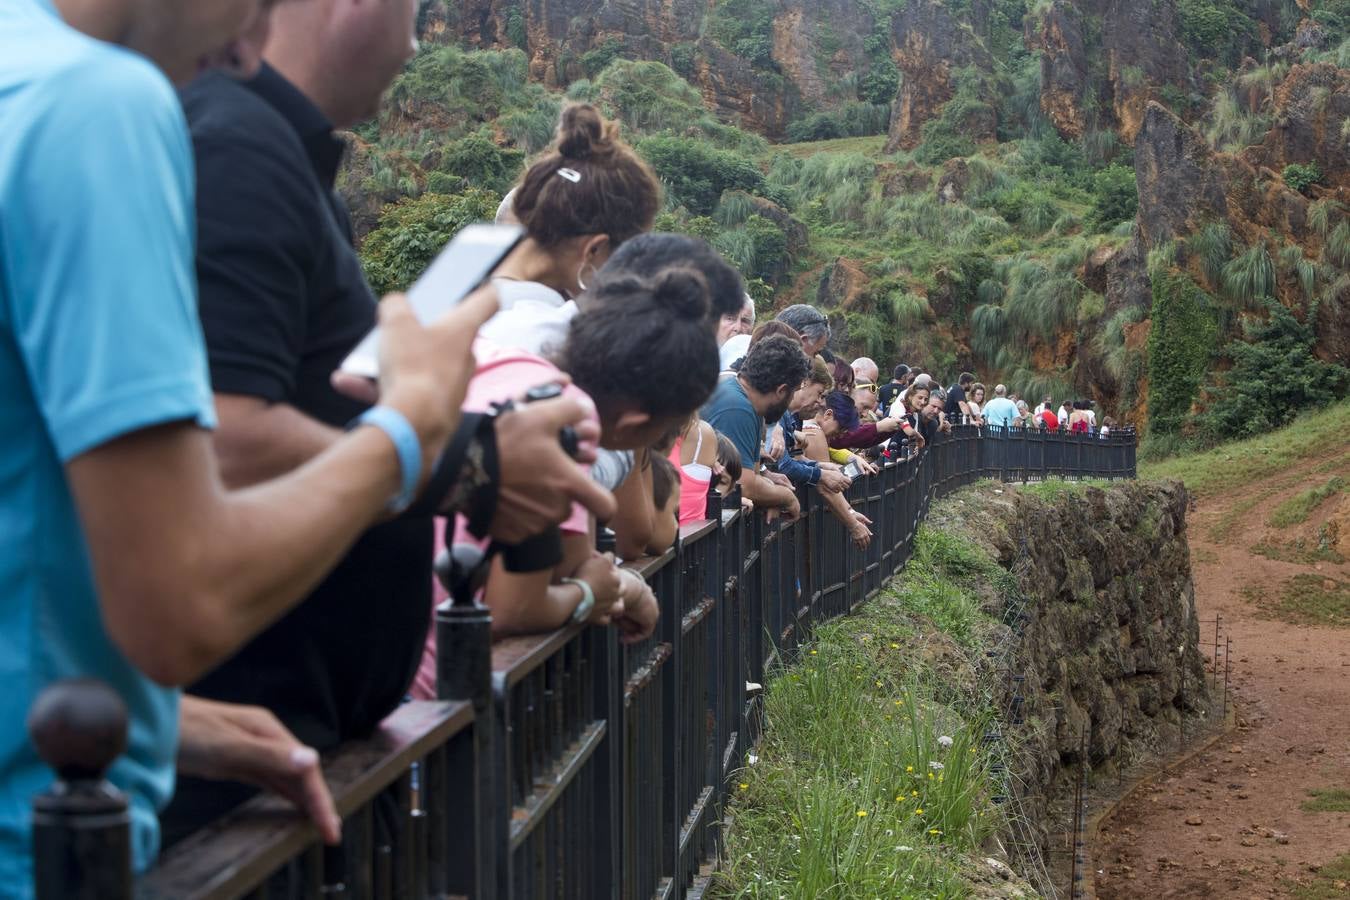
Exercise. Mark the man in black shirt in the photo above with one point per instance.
(957, 408)
(282, 301)
(886, 396)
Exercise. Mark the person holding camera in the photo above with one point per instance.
(839, 413)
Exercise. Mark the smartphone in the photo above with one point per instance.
(463, 265)
(853, 470)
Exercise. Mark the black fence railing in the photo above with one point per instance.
(562, 765)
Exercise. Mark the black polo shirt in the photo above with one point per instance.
(282, 301)
(956, 395)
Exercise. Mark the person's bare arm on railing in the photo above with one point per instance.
(187, 571)
(817, 448)
(769, 496)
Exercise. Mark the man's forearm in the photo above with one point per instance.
(257, 441)
(187, 572)
(765, 493)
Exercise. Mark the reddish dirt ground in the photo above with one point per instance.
(1228, 822)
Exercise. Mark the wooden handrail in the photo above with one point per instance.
(237, 853)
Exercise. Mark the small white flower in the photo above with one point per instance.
(936, 766)
(903, 849)
(944, 741)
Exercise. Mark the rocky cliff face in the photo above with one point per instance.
(1106, 662)
(1102, 60)
(929, 44)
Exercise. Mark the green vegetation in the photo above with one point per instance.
(1301, 176)
(1274, 376)
(1299, 507)
(1305, 599)
(1235, 466)
(1180, 344)
(1327, 800)
(1327, 883)
(412, 231)
(870, 780)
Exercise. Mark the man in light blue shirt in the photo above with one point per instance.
(122, 556)
(1000, 411)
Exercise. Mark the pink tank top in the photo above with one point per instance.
(694, 481)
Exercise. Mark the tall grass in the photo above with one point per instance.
(1110, 339)
(1231, 127)
(870, 780)
(1249, 277)
(1323, 215)
(1212, 245)
(1337, 249)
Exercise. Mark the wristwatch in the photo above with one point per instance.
(583, 610)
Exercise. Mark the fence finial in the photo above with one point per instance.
(81, 827)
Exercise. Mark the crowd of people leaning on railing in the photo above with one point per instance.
(190, 498)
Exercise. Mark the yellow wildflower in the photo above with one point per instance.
(918, 812)
(895, 646)
(934, 831)
(909, 768)
(744, 786)
(862, 813)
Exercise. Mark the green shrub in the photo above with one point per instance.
(880, 84)
(851, 120)
(598, 59)
(481, 163)
(412, 231)
(1337, 249)
(696, 173)
(1300, 176)
(1115, 197)
(1274, 376)
(1180, 343)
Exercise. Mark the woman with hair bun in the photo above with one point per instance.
(577, 203)
(642, 355)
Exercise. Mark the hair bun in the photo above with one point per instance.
(581, 131)
(682, 289)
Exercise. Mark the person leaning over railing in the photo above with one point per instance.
(933, 417)
(838, 413)
(282, 299)
(126, 557)
(806, 402)
(761, 391)
(642, 352)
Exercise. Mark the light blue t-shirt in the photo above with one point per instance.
(1000, 411)
(98, 337)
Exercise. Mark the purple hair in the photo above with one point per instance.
(844, 409)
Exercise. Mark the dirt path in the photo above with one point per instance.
(1230, 822)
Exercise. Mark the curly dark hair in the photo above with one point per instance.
(643, 343)
(775, 361)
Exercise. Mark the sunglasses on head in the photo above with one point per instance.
(865, 386)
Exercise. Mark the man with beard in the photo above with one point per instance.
(762, 391)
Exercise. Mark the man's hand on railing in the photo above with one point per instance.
(231, 742)
(833, 481)
(779, 479)
(640, 613)
(863, 463)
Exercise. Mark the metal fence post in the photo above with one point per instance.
(81, 826)
(464, 672)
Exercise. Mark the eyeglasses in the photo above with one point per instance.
(865, 386)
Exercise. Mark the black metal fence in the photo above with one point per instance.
(563, 765)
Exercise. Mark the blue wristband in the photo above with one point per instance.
(399, 430)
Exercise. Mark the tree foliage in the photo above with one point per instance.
(696, 173)
(412, 231)
(1274, 376)
(1115, 197)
